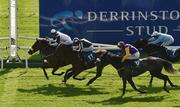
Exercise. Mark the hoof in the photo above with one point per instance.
(47, 78)
(174, 86)
(122, 95)
(63, 81)
(87, 84)
(143, 92)
(167, 90)
(150, 85)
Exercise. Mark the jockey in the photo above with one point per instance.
(59, 37)
(85, 47)
(161, 39)
(129, 52)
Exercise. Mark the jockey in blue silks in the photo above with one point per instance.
(86, 49)
(129, 53)
(161, 39)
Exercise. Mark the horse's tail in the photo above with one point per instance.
(168, 66)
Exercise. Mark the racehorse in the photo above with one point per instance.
(152, 64)
(158, 51)
(61, 56)
(45, 49)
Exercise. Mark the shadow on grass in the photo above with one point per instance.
(5, 71)
(66, 90)
(122, 100)
(157, 89)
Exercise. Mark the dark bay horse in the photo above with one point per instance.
(45, 49)
(157, 51)
(152, 64)
(61, 56)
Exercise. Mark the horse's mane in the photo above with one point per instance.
(43, 40)
(114, 56)
(100, 51)
(150, 46)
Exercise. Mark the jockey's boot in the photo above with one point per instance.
(136, 64)
(97, 61)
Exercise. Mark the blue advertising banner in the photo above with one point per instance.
(109, 21)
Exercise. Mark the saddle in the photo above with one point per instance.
(88, 57)
(133, 63)
(170, 52)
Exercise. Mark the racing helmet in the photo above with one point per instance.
(155, 33)
(53, 31)
(76, 40)
(121, 44)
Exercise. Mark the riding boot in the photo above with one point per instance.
(132, 67)
(136, 64)
(129, 64)
(97, 61)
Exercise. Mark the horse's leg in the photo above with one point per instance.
(98, 74)
(44, 70)
(76, 73)
(121, 74)
(67, 75)
(165, 78)
(133, 85)
(165, 88)
(45, 73)
(67, 72)
(124, 85)
(170, 82)
(54, 70)
(150, 82)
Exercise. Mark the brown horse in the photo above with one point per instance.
(61, 56)
(152, 64)
(158, 51)
(45, 49)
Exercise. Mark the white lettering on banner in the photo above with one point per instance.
(92, 16)
(174, 15)
(126, 16)
(130, 31)
(113, 16)
(145, 29)
(103, 16)
(142, 15)
(164, 13)
(153, 15)
(133, 15)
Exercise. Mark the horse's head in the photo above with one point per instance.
(140, 43)
(38, 45)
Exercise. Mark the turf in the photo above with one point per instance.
(28, 24)
(32, 89)
(18, 88)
